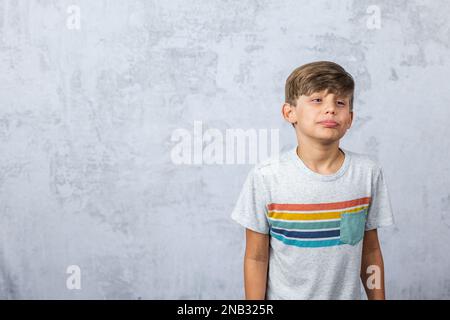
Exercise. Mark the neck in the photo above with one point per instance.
(324, 159)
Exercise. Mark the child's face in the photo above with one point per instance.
(319, 106)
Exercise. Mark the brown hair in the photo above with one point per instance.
(317, 76)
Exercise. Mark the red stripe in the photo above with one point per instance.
(318, 206)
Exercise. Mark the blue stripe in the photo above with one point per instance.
(310, 244)
(308, 234)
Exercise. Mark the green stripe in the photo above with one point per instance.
(305, 225)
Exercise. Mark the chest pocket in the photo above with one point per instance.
(352, 227)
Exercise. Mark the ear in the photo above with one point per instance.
(289, 113)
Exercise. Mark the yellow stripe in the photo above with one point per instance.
(312, 216)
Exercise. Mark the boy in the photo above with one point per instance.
(311, 215)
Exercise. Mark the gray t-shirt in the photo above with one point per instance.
(316, 222)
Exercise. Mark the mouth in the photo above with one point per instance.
(329, 124)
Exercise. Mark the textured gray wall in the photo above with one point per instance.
(89, 108)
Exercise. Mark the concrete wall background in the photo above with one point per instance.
(87, 116)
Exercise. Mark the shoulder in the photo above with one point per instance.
(274, 164)
(365, 162)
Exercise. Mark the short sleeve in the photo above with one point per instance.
(250, 210)
(380, 210)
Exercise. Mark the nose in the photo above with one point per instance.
(330, 107)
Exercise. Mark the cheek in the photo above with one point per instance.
(307, 113)
(312, 117)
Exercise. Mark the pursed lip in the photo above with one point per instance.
(329, 123)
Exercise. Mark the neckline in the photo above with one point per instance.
(318, 176)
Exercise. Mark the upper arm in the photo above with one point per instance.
(257, 245)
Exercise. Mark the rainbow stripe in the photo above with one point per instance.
(312, 225)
